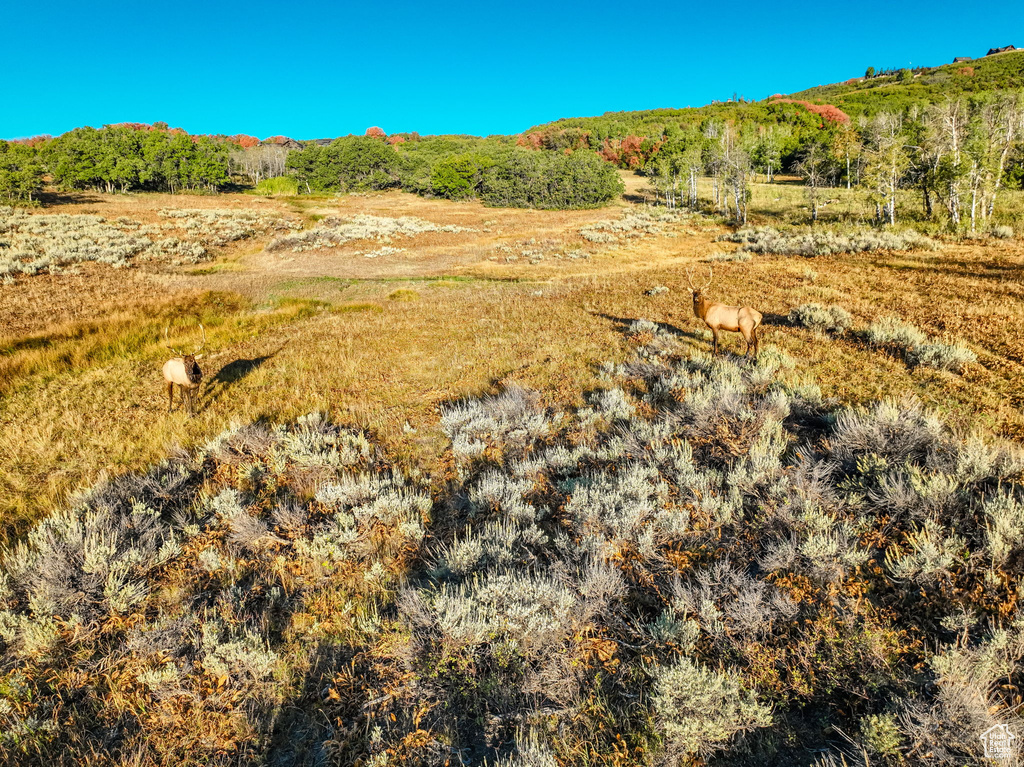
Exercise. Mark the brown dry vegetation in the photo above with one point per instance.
(382, 342)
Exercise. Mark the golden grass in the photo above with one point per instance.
(82, 394)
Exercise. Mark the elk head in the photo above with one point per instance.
(699, 299)
(183, 371)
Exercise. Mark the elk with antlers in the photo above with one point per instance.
(183, 370)
(738, 319)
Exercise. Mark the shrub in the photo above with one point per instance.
(700, 710)
(332, 232)
(705, 551)
(817, 243)
(404, 295)
(1003, 232)
(282, 185)
(525, 179)
(350, 163)
(513, 418)
(890, 331)
(915, 347)
(44, 242)
(953, 357)
(880, 734)
(831, 319)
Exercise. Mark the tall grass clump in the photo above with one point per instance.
(277, 185)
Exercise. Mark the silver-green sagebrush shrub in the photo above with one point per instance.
(700, 710)
(511, 419)
(954, 357)
(817, 243)
(890, 331)
(915, 346)
(823, 319)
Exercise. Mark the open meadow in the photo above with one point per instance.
(465, 485)
(380, 332)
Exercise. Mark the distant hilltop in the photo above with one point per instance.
(991, 52)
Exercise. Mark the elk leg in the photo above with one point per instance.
(757, 342)
(170, 397)
(714, 332)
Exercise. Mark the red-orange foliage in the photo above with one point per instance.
(276, 140)
(395, 139)
(629, 152)
(966, 71)
(244, 141)
(376, 132)
(826, 111)
(530, 140)
(33, 141)
(610, 151)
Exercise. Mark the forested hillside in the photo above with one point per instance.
(953, 133)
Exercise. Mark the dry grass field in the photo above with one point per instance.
(380, 333)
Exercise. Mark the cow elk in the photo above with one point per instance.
(737, 319)
(183, 371)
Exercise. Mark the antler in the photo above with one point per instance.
(167, 341)
(203, 344)
(711, 276)
(689, 277)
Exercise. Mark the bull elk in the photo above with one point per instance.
(183, 371)
(737, 319)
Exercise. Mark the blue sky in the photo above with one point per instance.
(309, 69)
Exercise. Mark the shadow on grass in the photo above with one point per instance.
(233, 372)
(53, 197)
(623, 324)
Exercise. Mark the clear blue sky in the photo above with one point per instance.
(311, 69)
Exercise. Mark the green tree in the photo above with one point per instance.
(870, 72)
(21, 173)
(458, 177)
(352, 163)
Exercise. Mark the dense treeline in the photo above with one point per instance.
(493, 170)
(125, 158)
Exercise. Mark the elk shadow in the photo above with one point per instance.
(313, 723)
(623, 324)
(772, 319)
(233, 372)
